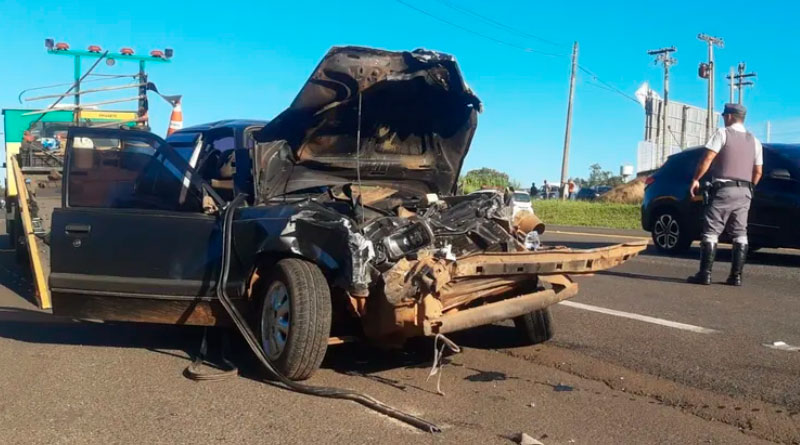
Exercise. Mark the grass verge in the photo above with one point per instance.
(588, 214)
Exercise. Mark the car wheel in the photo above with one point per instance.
(669, 233)
(535, 327)
(295, 318)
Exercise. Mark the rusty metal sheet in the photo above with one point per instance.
(559, 261)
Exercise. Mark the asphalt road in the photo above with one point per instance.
(695, 371)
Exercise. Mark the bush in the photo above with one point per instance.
(589, 214)
(628, 193)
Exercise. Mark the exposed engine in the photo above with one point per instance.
(450, 229)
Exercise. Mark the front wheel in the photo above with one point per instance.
(295, 318)
(669, 233)
(535, 327)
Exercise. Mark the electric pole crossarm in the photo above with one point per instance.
(739, 82)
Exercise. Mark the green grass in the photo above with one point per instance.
(589, 214)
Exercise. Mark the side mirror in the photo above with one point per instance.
(780, 173)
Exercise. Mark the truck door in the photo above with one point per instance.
(132, 240)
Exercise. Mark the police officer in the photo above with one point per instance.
(735, 158)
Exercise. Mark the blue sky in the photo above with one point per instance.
(249, 59)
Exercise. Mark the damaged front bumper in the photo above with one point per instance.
(498, 311)
(428, 296)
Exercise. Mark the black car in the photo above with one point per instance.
(591, 193)
(675, 219)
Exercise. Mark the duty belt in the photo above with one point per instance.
(731, 183)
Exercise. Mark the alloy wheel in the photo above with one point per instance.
(666, 231)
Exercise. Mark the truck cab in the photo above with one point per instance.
(221, 153)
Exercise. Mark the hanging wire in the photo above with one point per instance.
(605, 85)
(484, 36)
(498, 24)
(358, 159)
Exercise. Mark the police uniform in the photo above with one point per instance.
(729, 196)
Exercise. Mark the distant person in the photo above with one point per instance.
(735, 158)
(534, 190)
(546, 188)
(571, 187)
(28, 146)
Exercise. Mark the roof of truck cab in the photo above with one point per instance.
(227, 123)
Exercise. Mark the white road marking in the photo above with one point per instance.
(644, 318)
(782, 346)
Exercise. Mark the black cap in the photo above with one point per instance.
(735, 109)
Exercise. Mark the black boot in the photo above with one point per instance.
(739, 253)
(708, 252)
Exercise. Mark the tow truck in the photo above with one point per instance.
(33, 179)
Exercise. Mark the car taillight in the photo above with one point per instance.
(649, 180)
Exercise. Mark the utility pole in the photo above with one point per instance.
(707, 72)
(568, 132)
(663, 55)
(769, 131)
(730, 86)
(740, 82)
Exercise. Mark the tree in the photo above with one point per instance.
(485, 177)
(598, 176)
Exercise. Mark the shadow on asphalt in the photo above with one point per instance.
(640, 276)
(40, 327)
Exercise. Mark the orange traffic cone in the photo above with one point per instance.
(175, 119)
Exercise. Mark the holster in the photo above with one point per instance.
(708, 190)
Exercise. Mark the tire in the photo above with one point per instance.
(535, 327)
(295, 319)
(669, 233)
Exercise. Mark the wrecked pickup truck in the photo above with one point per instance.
(350, 219)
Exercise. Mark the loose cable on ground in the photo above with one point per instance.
(282, 381)
(438, 355)
(194, 372)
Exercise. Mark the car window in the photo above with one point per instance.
(183, 143)
(522, 197)
(791, 156)
(130, 173)
(682, 166)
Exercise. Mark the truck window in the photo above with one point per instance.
(127, 174)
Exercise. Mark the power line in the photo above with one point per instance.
(611, 90)
(484, 36)
(607, 85)
(497, 24)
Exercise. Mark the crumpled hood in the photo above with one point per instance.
(417, 118)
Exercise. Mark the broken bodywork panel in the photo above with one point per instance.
(414, 112)
(377, 212)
